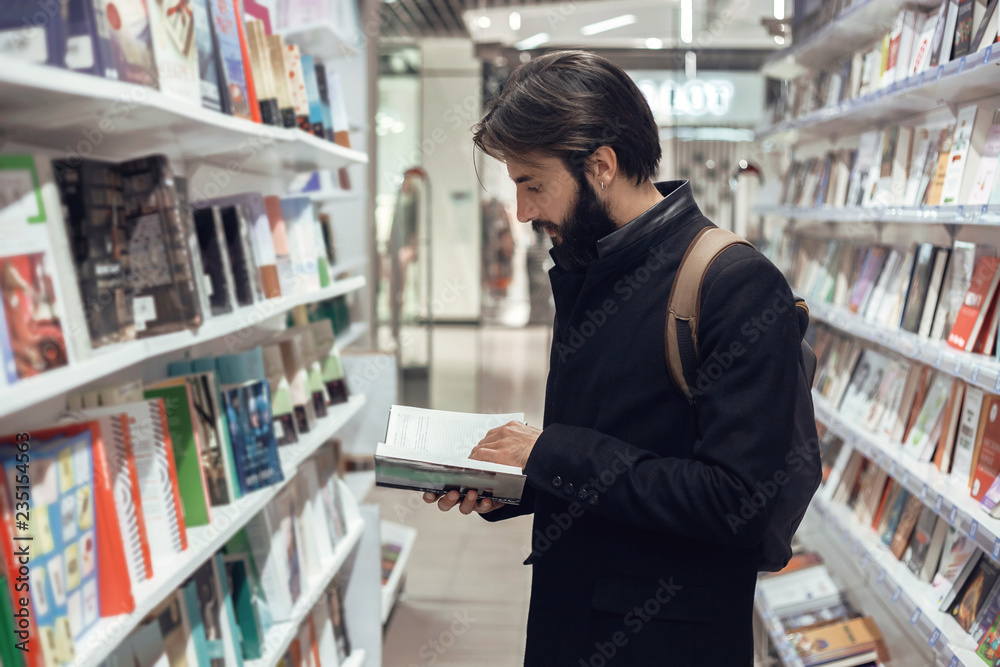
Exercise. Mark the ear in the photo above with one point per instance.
(602, 168)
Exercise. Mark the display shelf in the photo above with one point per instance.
(856, 27)
(320, 196)
(352, 335)
(360, 482)
(279, 637)
(925, 215)
(407, 537)
(786, 652)
(323, 40)
(93, 116)
(894, 582)
(952, 84)
(204, 541)
(948, 497)
(355, 659)
(977, 369)
(112, 358)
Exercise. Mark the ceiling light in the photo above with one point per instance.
(687, 21)
(654, 43)
(779, 9)
(610, 24)
(515, 21)
(532, 42)
(484, 22)
(778, 39)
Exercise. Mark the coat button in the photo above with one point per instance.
(583, 494)
(594, 500)
(569, 490)
(557, 481)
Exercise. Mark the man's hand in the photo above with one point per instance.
(509, 444)
(470, 502)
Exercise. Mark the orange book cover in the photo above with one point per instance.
(987, 462)
(251, 85)
(115, 591)
(987, 338)
(907, 522)
(972, 314)
(882, 503)
(11, 566)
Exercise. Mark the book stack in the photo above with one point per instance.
(917, 41)
(937, 292)
(945, 163)
(219, 55)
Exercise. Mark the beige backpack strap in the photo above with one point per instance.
(684, 305)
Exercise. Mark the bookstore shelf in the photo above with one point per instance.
(786, 652)
(855, 27)
(935, 489)
(113, 358)
(360, 482)
(320, 196)
(279, 637)
(324, 40)
(353, 333)
(356, 659)
(955, 83)
(406, 536)
(56, 108)
(925, 215)
(977, 369)
(892, 580)
(204, 541)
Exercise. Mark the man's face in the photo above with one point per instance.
(568, 210)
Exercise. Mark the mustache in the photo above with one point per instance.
(540, 225)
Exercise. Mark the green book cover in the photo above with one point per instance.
(8, 654)
(187, 458)
(239, 583)
(229, 611)
(197, 625)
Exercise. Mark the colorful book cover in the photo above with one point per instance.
(254, 10)
(88, 47)
(279, 241)
(988, 461)
(247, 63)
(233, 72)
(980, 294)
(283, 412)
(255, 451)
(61, 525)
(338, 107)
(263, 76)
(187, 454)
(283, 83)
(8, 366)
(172, 23)
(208, 61)
(33, 324)
(297, 86)
(329, 358)
(959, 156)
(260, 237)
(298, 382)
(208, 422)
(239, 584)
(970, 599)
(313, 96)
(245, 274)
(963, 28)
(131, 44)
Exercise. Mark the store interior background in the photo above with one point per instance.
(470, 322)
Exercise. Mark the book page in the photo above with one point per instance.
(446, 436)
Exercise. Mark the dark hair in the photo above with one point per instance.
(567, 104)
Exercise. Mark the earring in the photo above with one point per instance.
(603, 186)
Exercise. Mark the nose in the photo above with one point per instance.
(526, 211)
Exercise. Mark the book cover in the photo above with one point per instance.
(284, 81)
(949, 426)
(935, 187)
(963, 28)
(924, 43)
(973, 593)
(986, 32)
(261, 240)
(43, 44)
(300, 225)
(338, 108)
(238, 582)
(246, 278)
(968, 435)
(856, 637)
(957, 279)
(172, 24)
(316, 547)
(208, 58)
(31, 314)
(174, 626)
(938, 272)
(316, 116)
(276, 547)
(294, 75)
(982, 187)
(987, 464)
(919, 286)
(971, 315)
(327, 462)
(893, 513)
(907, 524)
(866, 380)
(208, 423)
(924, 434)
(920, 542)
(257, 11)
(234, 72)
(335, 601)
(130, 43)
(956, 555)
(282, 409)
(332, 369)
(218, 274)
(886, 425)
(187, 449)
(263, 77)
(279, 238)
(968, 122)
(247, 63)
(298, 381)
(314, 372)
(324, 96)
(255, 451)
(88, 45)
(986, 339)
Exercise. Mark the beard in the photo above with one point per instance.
(587, 223)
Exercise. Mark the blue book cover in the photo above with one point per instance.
(894, 513)
(255, 451)
(63, 576)
(234, 97)
(312, 94)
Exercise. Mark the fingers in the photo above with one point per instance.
(486, 505)
(468, 503)
(448, 500)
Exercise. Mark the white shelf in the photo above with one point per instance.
(786, 652)
(280, 635)
(204, 541)
(51, 107)
(893, 581)
(856, 27)
(977, 369)
(320, 196)
(946, 496)
(360, 482)
(323, 40)
(353, 333)
(355, 659)
(407, 537)
(112, 358)
(958, 82)
(924, 215)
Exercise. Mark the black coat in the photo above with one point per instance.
(648, 512)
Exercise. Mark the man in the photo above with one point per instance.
(643, 549)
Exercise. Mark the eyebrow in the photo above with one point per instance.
(524, 179)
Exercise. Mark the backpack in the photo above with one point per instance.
(681, 339)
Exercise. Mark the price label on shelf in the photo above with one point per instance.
(996, 548)
(920, 78)
(961, 66)
(915, 616)
(933, 639)
(974, 375)
(938, 359)
(954, 662)
(938, 504)
(940, 71)
(923, 493)
(987, 53)
(958, 366)
(996, 385)
(973, 529)
(906, 476)
(897, 594)
(952, 515)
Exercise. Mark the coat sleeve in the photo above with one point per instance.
(744, 418)
(527, 506)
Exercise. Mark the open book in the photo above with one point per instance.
(428, 450)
